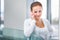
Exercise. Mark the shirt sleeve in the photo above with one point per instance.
(49, 27)
(28, 27)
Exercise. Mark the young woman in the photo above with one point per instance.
(37, 28)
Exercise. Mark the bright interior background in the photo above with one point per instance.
(14, 24)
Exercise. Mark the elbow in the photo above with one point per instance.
(26, 34)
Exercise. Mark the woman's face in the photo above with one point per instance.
(37, 12)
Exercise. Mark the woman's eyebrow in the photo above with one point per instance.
(35, 11)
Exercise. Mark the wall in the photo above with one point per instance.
(14, 13)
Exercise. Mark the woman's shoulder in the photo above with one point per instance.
(46, 21)
(27, 20)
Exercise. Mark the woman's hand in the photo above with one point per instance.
(32, 16)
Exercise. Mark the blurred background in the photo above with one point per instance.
(12, 16)
(14, 12)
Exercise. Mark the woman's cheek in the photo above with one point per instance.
(40, 15)
(31, 14)
(34, 14)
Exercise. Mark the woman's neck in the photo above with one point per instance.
(38, 20)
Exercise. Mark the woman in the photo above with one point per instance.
(37, 28)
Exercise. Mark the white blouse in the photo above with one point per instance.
(42, 32)
(29, 27)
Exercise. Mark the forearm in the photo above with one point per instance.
(28, 28)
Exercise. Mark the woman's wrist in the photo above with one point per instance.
(32, 21)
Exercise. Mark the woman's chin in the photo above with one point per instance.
(37, 18)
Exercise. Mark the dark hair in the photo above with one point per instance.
(35, 4)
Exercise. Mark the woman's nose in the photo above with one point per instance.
(38, 14)
(35, 14)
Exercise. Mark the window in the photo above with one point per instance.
(55, 17)
(55, 11)
(2, 14)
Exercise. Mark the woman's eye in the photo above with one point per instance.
(35, 12)
(39, 11)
